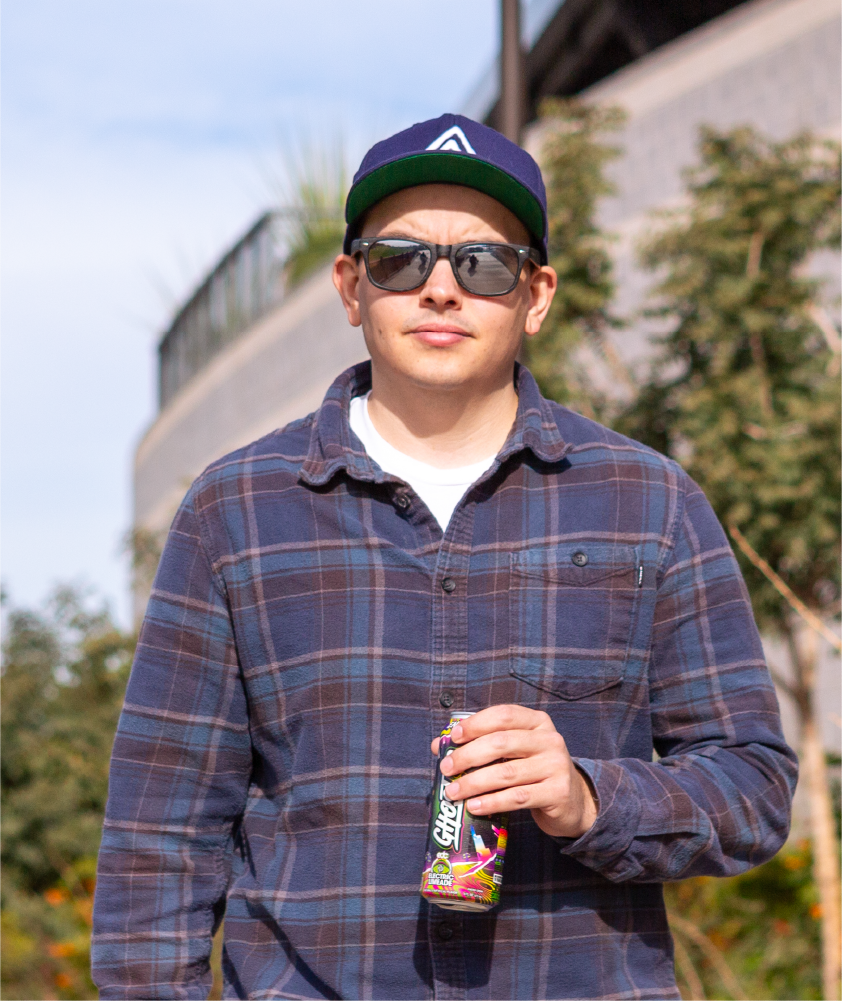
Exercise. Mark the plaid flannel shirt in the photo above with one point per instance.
(272, 761)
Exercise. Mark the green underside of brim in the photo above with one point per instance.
(447, 168)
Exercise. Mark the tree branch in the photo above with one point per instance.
(825, 324)
(831, 335)
(812, 620)
(714, 955)
(755, 249)
(619, 369)
(688, 971)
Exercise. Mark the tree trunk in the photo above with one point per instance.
(803, 653)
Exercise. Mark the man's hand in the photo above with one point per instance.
(538, 773)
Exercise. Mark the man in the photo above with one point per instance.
(436, 537)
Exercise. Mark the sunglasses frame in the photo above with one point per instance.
(449, 250)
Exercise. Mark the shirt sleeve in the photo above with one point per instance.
(717, 802)
(180, 771)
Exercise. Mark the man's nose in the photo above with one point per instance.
(441, 288)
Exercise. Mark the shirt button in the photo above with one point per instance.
(448, 584)
(446, 699)
(444, 932)
(402, 501)
(580, 559)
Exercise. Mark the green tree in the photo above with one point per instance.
(313, 200)
(573, 158)
(64, 673)
(143, 548)
(744, 391)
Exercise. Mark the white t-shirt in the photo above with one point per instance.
(440, 489)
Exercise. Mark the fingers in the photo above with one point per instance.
(534, 762)
(561, 805)
(535, 796)
(500, 776)
(506, 717)
(502, 744)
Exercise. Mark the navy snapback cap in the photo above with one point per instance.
(452, 150)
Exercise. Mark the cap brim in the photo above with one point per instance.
(447, 168)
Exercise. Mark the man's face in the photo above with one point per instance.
(439, 336)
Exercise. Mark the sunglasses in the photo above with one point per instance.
(399, 265)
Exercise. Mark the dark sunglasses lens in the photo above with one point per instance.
(487, 269)
(398, 264)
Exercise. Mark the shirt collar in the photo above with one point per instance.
(333, 446)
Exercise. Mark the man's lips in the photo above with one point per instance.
(438, 335)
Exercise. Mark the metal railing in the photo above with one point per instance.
(247, 282)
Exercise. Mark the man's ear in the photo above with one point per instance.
(542, 287)
(346, 279)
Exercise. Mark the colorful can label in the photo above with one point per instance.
(463, 870)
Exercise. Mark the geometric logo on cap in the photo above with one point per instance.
(451, 141)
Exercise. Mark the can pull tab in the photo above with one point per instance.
(640, 576)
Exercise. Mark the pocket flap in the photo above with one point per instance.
(571, 609)
(579, 564)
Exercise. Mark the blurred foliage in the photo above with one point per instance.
(744, 391)
(143, 548)
(764, 924)
(573, 159)
(314, 203)
(64, 673)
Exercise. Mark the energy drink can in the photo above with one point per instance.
(463, 870)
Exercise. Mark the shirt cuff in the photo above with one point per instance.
(605, 845)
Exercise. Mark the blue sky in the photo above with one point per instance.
(138, 137)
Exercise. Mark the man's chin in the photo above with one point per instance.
(446, 370)
(442, 377)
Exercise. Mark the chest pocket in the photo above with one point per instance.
(571, 611)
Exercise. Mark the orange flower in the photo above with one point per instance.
(719, 940)
(794, 862)
(782, 927)
(816, 911)
(61, 950)
(85, 910)
(62, 981)
(55, 897)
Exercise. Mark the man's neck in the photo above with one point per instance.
(443, 427)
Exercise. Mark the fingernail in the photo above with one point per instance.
(446, 766)
(453, 790)
(474, 805)
(456, 733)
